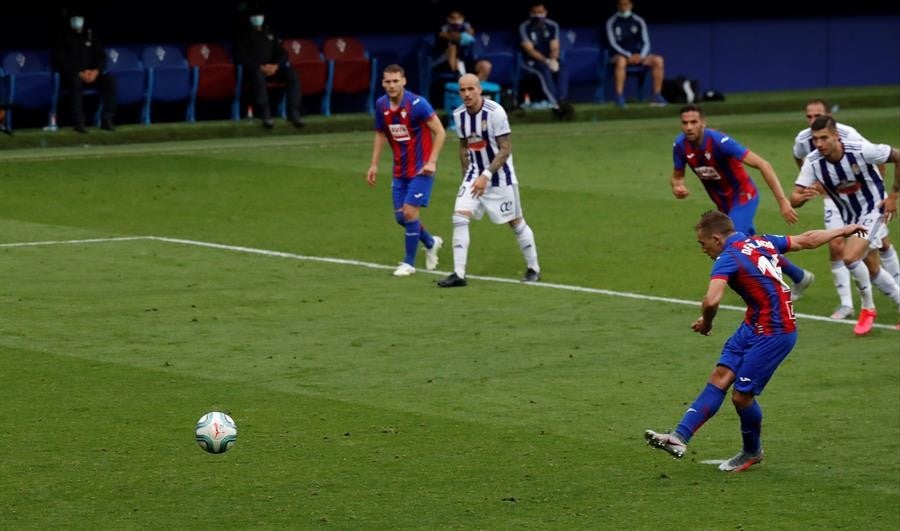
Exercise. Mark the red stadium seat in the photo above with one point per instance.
(354, 71)
(314, 72)
(216, 78)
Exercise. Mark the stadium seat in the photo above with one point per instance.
(315, 73)
(215, 75)
(29, 82)
(169, 78)
(353, 71)
(502, 51)
(131, 80)
(586, 73)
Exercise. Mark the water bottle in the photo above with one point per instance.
(52, 125)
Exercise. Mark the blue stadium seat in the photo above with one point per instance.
(169, 78)
(502, 51)
(131, 79)
(29, 82)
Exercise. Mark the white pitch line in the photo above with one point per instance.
(73, 242)
(370, 265)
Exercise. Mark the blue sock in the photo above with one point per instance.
(413, 229)
(751, 427)
(704, 407)
(425, 237)
(789, 269)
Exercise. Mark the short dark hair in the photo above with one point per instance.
(820, 101)
(394, 69)
(692, 107)
(714, 222)
(824, 122)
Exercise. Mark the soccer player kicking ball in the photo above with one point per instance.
(750, 356)
(489, 180)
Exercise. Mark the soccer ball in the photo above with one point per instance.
(216, 432)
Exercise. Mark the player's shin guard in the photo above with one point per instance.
(795, 273)
(411, 240)
(884, 282)
(525, 236)
(889, 262)
(751, 426)
(704, 407)
(460, 244)
(398, 217)
(841, 276)
(860, 275)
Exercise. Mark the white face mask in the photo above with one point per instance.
(257, 20)
(76, 23)
(625, 14)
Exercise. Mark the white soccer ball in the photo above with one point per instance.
(216, 432)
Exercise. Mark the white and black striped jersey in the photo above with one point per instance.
(853, 183)
(480, 131)
(803, 144)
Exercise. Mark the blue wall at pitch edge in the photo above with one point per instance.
(747, 56)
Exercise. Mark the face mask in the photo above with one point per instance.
(625, 14)
(76, 23)
(456, 27)
(257, 20)
(539, 18)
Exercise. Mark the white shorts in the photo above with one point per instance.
(500, 202)
(833, 218)
(878, 229)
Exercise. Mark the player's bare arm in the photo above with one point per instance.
(679, 190)
(710, 306)
(768, 173)
(504, 148)
(889, 203)
(464, 154)
(802, 194)
(816, 238)
(438, 135)
(377, 146)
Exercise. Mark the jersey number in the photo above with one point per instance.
(770, 267)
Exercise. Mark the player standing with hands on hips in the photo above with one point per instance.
(748, 264)
(489, 180)
(409, 124)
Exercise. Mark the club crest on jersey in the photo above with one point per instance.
(475, 142)
(403, 113)
(855, 169)
(708, 155)
(399, 132)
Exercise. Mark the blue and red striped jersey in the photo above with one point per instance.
(750, 265)
(718, 163)
(407, 132)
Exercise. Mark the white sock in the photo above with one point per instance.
(886, 284)
(460, 244)
(525, 236)
(841, 276)
(860, 274)
(889, 263)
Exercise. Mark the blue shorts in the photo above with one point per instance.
(415, 191)
(742, 216)
(754, 357)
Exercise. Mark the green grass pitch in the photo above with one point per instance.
(369, 402)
